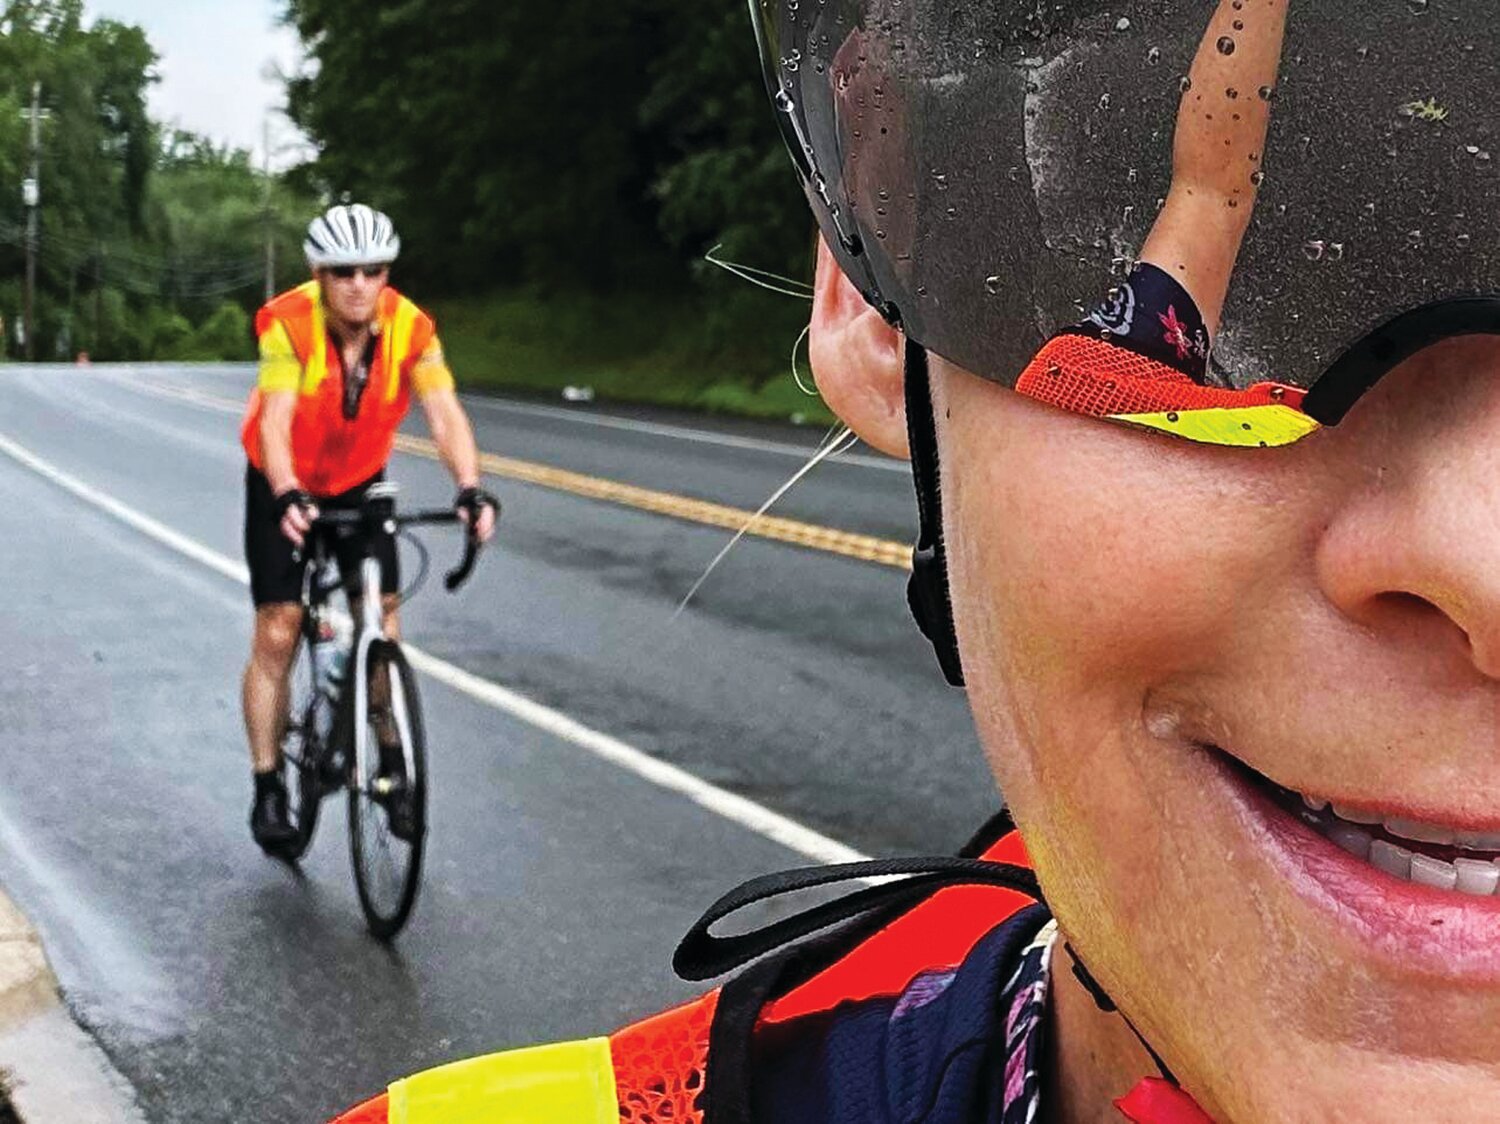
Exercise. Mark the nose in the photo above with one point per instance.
(1414, 551)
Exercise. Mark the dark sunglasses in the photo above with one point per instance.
(347, 272)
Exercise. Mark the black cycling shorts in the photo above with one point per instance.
(276, 567)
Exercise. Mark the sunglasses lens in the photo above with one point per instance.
(347, 272)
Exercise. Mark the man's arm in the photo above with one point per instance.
(280, 375)
(453, 435)
(276, 410)
(454, 438)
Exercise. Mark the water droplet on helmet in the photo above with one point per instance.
(1463, 241)
(940, 180)
(1132, 175)
(1413, 237)
(1239, 25)
(1363, 53)
(1103, 101)
(1225, 45)
(1232, 94)
(1257, 177)
(1122, 24)
(1417, 7)
(1314, 250)
(1186, 84)
(1472, 149)
(1172, 417)
(1153, 56)
(992, 285)
(1335, 251)
(1267, 93)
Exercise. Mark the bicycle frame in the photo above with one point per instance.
(370, 632)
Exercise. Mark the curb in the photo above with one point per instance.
(55, 1072)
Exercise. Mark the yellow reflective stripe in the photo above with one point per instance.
(315, 370)
(280, 369)
(573, 1082)
(398, 345)
(1251, 426)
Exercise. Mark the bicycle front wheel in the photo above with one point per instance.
(388, 796)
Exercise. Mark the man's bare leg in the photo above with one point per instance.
(267, 681)
(264, 698)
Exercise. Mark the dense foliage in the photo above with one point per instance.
(571, 159)
(577, 148)
(151, 242)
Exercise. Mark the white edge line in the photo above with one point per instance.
(737, 809)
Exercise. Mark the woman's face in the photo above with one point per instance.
(1155, 633)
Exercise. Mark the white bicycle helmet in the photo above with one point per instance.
(351, 234)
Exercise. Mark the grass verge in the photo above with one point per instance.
(732, 357)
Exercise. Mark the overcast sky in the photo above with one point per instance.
(216, 56)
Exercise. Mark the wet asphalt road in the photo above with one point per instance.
(224, 985)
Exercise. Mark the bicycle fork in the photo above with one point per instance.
(372, 632)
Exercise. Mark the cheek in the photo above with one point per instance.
(1093, 566)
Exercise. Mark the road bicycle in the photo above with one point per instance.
(354, 720)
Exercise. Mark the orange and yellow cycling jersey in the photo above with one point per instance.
(330, 452)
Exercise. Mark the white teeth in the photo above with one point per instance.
(1356, 840)
(1475, 876)
(1428, 871)
(1420, 832)
(1348, 829)
(1355, 816)
(1392, 859)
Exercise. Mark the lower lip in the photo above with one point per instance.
(1435, 932)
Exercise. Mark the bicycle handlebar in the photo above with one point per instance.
(431, 517)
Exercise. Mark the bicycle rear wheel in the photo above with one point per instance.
(301, 755)
(388, 796)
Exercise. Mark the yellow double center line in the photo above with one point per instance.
(846, 544)
(866, 548)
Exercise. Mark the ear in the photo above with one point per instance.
(857, 360)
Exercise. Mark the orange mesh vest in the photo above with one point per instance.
(331, 454)
(661, 1070)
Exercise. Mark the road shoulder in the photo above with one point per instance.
(55, 1072)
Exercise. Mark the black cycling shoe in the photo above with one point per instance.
(393, 793)
(270, 823)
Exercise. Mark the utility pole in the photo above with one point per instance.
(31, 195)
(269, 215)
(98, 298)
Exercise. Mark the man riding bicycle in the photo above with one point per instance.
(341, 357)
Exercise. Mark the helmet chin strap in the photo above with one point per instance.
(927, 594)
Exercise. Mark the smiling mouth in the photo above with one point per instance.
(1427, 854)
